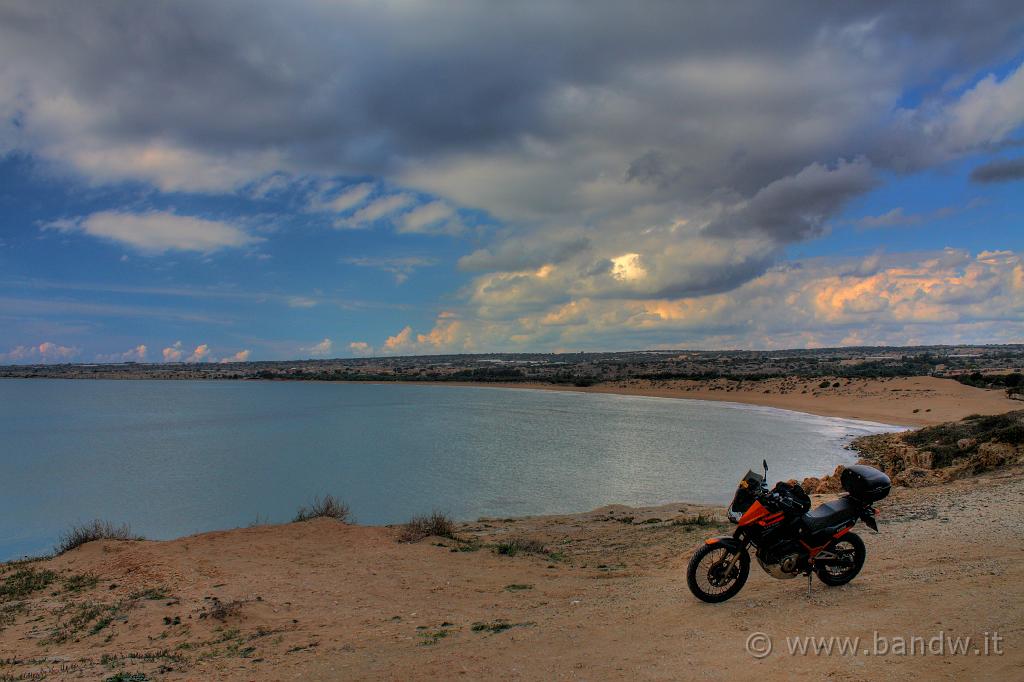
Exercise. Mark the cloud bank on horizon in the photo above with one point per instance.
(249, 180)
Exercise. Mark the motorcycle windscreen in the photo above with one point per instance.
(745, 494)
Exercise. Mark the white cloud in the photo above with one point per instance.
(46, 352)
(360, 348)
(320, 350)
(240, 356)
(437, 217)
(628, 267)
(449, 333)
(200, 354)
(948, 296)
(172, 353)
(137, 354)
(169, 167)
(350, 198)
(158, 231)
(402, 267)
(375, 210)
(403, 341)
(897, 217)
(301, 302)
(325, 198)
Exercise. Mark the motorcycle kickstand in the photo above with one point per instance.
(808, 584)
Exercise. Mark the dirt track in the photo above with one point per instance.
(321, 600)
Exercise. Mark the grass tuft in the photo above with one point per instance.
(327, 507)
(435, 524)
(23, 582)
(514, 546)
(697, 521)
(80, 582)
(499, 625)
(98, 529)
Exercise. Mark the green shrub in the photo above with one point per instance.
(98, 529)
(942, 439)
(329, 507)
(514, 546)
(419, 527)
(699, 520)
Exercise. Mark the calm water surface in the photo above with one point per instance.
(179, 457)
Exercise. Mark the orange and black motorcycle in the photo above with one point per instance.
(788, 538)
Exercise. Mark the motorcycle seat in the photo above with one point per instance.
(830, 516)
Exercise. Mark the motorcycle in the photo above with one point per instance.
(787, 537)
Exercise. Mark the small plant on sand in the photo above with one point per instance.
(10, 612)
(499, 625)
(514, 546)
(327, 507)
(222, 610)
(127, 677)
(433, 637)
(80, 534)
(419, 527)
(23, 582)
(698, 521)
(80, 582)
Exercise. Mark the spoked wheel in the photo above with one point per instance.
(716, 573)
(850, 554)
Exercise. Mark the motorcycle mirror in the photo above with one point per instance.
(764, 463)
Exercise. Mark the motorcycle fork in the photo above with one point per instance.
(735, 558)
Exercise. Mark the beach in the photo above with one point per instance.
(606, 599)
(906, 401)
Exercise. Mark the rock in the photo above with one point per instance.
(810, 485)
(920, 460)
(991, 455)
(916, 477)
(966, 443)
(830, 484)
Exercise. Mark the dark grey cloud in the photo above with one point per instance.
(364, 86)
(999, 171)
(796, 207)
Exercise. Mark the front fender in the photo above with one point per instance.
(727, 541)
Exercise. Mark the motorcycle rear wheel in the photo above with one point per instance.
(850, 546)
(705, 573)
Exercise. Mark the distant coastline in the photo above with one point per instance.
(898, 400)
(904, 401)
(901, 401)
(907, 386)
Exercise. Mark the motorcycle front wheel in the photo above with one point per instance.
(713, 576)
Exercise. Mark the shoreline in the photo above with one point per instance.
(926, 401)
(915, 401)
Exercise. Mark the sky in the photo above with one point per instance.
(214, 182)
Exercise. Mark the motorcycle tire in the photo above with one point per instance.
(701, 577)
(833, 575)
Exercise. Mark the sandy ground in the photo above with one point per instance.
(910, 401)
(321, 600)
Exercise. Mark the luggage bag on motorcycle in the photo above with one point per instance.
(864, 483)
